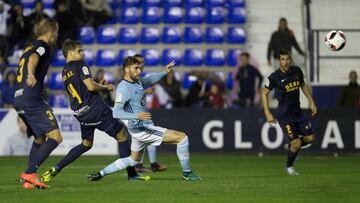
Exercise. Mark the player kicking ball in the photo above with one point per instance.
(287, 81)
(130, 108)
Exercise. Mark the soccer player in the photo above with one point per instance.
(287, 81)
(90, 110)
(30, 104)
(130, 107)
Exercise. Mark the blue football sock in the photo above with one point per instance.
(41, 155)
(34, 148)
(152, 153)
(118, 165)
(182, 151)
(291, 158)
(73, 154)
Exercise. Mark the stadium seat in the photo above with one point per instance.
(105, 57)
(192, 35)
(128, 35)
(193, 57)
(193, 3)
(129, 15)
(109, 77)
(232, 56)
(170, 55)
(214, 35)
(151, 57)
(113, 19)
(58, 100)
(171, 35)
(58, 59)
(48, 4)
(215, 15)
(87, 35)
(106, 35)
(1, 80)
(172, 15)
(214, 3)
(149, 35)
(89, 57)
(114, 4)
(188, 80)
(151, 15)
(236, 3)
(123, 53)
(14, 58)
(236, 35)
(27, 11)
(236, 15)
(194, 15)
(56, 82)
(215, 57)
(130, 3)
(171, 3)
(230, 81)
(150, 3)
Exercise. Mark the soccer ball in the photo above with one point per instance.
(335, 40)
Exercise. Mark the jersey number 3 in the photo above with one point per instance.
(21, 67)
(74, 93)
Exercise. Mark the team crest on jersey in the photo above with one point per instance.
(118, 97)
(85, 70)
(40, 51)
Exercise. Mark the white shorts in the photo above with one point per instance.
(152, 136)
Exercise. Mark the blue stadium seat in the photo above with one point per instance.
(194, 15)
(105, 57)
(149, 35)
(56, 82)
(151, 57)
(150, 3)
(192, 35)
(172, 15)
(193, 57)
(232, 56)
(48, 3)
(28, 3)
(214, 3)
(236, 15)
(89, 57)
(171, 35)
(236, 3)
(87, 35)
(171, 3)
(215, 57)
(109, 77)
(214, 35)
(215, 15)
(129, 15)
(128, 35)
(170, 55)
(58, 59)
(130, 3)
(230, 81)
(193, 3)
(58, 100)
(151, 15)
(50, 12)
(123, 53)
(106, 35)
(114, 4)
(188, 80)
(236, 35)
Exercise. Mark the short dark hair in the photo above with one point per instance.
(138, 56)
(69, 45)
(245, 54)
(130, 60)
(284, 52)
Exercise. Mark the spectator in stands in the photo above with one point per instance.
(283, 38)
(75, 9)
(19, 29)
(99, 78)
(172, 87)
(196, 93)
(213, 97)
(67, 23)
(248, 78)
(8, 89)
(4, 14)
(36, 16)
(97, 11)
(350, 95)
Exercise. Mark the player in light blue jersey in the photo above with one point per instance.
(130, 108)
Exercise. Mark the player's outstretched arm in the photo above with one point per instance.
(155, 77)
(306, 90)
(93, 86)
(265, 102)
(32, 64)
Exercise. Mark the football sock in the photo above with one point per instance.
(182, 151)
(124, 151)
(41, 155)
(118, 165)
(152, 153)
(291, 158)
(34, 148)
(73, 154)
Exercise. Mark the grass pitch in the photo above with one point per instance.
(226, 178)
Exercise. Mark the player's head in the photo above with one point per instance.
(72, 50)
(285, 59)
(244, 58)
(141, 60)
(353, 77)
(283, 24)
(132, 68)
(47, 30)
(39, 6)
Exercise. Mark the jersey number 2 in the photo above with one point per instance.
(74, 93)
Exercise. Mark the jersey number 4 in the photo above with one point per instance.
(74, 93)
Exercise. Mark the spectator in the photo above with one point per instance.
(8, 89)
(75, 8)
(4, 14)
(99, 78)
(213, 98)
(36, 17)
(247, 76)
(19, 29)
(172, 87)
(67, 24)
(97, 11)
(283, 38)
(350, 95)
(196, 93)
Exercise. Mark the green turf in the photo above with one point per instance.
(226, 178)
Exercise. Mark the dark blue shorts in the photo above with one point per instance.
(294, 126)
(103, 122)
(38, 119)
